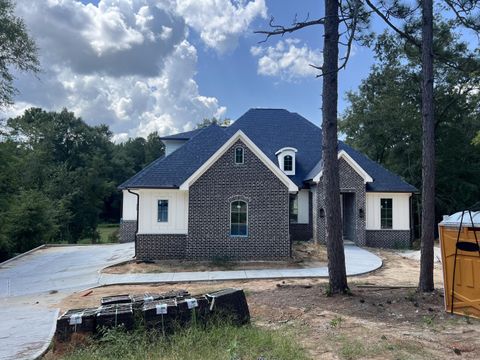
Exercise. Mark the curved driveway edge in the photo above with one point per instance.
(31, 285)
(358, 261)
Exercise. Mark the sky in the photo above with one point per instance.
(164, 65)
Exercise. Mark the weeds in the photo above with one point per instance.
(215, 342)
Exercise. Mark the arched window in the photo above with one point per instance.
(238, 218)
(287, 163)
(239, 155)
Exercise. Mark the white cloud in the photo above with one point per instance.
(127, 63)
(287, 60)
(221, 22)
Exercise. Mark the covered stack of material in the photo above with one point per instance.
(109, 316)
(76, 321)
(138, 300)
(168, 314)
(116, 299)
(231, 304)
(162, 315)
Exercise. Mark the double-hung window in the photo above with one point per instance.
(386, 213)
(238, 218)
(162, 211)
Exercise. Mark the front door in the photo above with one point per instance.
(348, 219)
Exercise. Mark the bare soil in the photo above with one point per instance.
(371, 323)
(304, 254)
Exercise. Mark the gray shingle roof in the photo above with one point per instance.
(182, 136)
(270, 130)
(171, 171)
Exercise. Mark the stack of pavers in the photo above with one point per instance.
(163, 312)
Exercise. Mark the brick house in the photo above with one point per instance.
(245, 192)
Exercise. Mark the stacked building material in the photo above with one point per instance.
(76, 321)
(116, 299)
(164, 312)
(230, 304)
(114, 315)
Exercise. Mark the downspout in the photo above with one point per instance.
(136, 225)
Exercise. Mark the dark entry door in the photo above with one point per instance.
(348, 219)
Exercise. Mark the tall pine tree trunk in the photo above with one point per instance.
(336, 255)
(428, 155)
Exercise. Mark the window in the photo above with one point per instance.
(288, 163)
(293, 209)
(386, 213)
(162, 213)
(239, 155)
(238, 218)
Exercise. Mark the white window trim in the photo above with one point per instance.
(281, 154)
(235, 155)
(246, 222)
(385, 198)
(168, 210)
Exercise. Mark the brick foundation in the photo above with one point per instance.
(161, 246)
(392, 239)
(127, 230)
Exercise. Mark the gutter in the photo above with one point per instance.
(136, 225)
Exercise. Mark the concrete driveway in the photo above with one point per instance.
(31, 284)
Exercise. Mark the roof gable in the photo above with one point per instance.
(342, 154)
(239, 135)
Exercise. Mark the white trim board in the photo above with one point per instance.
(240, 135)
(353, 164)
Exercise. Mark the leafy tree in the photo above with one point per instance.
(31, 221)
(17, 50)
(384, 118)
(206, 122)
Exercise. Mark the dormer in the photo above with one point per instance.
(286, 160)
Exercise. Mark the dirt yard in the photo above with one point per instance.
(372, 323)
(304, 254)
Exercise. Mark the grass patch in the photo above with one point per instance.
(106, 233)
(351, 348)
(216, 342)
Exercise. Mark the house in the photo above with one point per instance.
(244, 192)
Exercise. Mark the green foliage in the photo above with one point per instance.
(30, 221)
(17, 50)
(214, 120)
(216, 342)
(383, 119)
(56, 162)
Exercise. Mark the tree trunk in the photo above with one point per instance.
(336, 256)
(428, 155)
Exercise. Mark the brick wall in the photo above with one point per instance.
(161, 246)
(127, 230)
(352, 183)
(393, 239)
(209, 211)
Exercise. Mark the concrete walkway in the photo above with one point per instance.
(31, 286)
(358, 261)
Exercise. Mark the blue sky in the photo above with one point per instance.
(163, 65)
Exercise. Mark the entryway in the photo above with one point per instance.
(348, 216)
